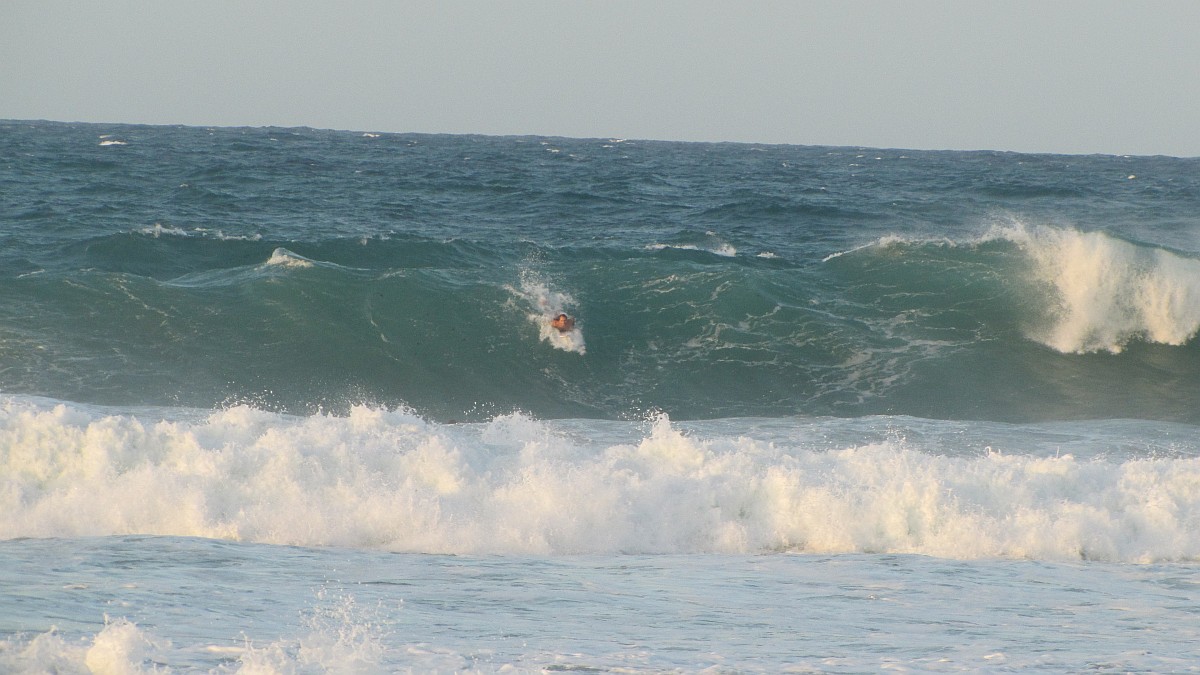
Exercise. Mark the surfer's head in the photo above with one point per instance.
(562, 322)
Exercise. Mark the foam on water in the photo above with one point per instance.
(158, 230)
(1088, 291)
(880, 243)
(121, 648)
(542, 303)
(723, 250)
(337, 637)
(710, 242)
(390, 480)
(285, 258)
(1110, 291)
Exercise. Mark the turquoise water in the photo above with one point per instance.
(302, 270)
(286, 400)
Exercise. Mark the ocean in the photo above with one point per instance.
(286, 400)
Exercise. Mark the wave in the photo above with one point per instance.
(1108, 291)
(445, 326)
(1071, 290)
(995, 327)
(275, 268)
(390, 480)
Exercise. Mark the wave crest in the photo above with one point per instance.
(1108, 291)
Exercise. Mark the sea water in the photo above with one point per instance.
(287, 401)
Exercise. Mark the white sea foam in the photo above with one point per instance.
(882, 243)
(337, 637)
(121, 648)
(1101, 292)
(723, 249)
(1109, 292)
(285, 258)
(159, 230)
(542, 303)
(390, 480)
(281, 262)
(713, 244)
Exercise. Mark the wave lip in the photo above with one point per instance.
(1074, 291)
(1108, 291)
(282, 257)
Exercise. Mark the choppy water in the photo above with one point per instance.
(285, 400)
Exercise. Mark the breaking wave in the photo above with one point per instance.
(393, 481)
(1108, 292)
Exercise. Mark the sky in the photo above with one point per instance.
(1062, 76)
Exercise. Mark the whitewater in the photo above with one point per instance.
(390, 480)
(288, 401)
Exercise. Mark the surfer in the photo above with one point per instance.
(563, 323)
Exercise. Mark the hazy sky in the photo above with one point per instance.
(1049, 76)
